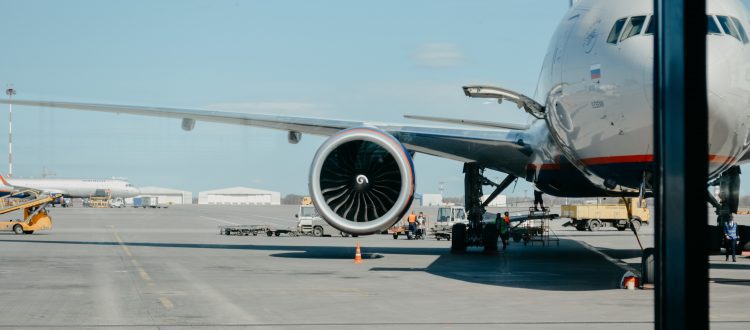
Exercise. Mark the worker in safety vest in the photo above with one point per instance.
(730, 238)
(504, 231)
(412, 219)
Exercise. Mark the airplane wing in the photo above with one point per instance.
(485, 145)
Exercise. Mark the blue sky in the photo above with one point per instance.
(372, 60)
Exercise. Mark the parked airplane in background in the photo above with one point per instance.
(592, 134)
(76, 188)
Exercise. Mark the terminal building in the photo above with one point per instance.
(166, 196)
(239, 196)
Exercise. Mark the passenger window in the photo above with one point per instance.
(615, 32)
(651, 25)
(741, 29)
(728, 27)
(635, 24)
(713, 28)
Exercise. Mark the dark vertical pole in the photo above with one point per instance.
(681, 158)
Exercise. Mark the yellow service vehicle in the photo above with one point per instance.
(594, 217)
(35, 216)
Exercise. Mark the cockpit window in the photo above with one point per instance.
(651, 25)
(728, 27)
(615, 32)
(713, 28)
(635, 24)
(741, 29)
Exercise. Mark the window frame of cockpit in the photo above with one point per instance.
(740, 28)
(619, 33)
(731, 27)
(629, 23)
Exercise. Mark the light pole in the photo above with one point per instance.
(10, 92)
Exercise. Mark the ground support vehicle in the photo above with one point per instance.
(403, 229)
(35, 216)
(441, 232)
(447, 216)
(595, 217)
(309, 222)
(255, 230)
(534, 228)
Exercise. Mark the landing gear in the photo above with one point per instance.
(476, 233)
(729, 193)
(648, 269)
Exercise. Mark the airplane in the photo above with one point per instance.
(75, 188)
(591, 134)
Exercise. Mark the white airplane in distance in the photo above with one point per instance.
(75, 188)
(592, 133)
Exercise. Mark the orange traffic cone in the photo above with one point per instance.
(358, 255)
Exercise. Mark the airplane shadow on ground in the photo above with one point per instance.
(567, 267)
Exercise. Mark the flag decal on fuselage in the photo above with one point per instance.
(596, 71)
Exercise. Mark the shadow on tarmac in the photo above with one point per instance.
(567, 267)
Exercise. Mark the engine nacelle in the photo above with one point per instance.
(362, 180)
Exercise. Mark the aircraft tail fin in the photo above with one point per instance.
(2, 178)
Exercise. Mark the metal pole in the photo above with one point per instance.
(681, 159)
(10, 92)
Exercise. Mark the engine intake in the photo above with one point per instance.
(362, 180)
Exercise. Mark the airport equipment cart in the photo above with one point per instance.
(246, 230)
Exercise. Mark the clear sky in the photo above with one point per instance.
(375, 60)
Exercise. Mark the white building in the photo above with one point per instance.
(499, 201)
(166, 196)
(432, 199)
(239, 196)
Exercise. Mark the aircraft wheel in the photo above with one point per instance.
(395, 236)
(517, 237)
(648, 269)
(490, 239)
(28, 232)
(18, 229)
(458, 245)
(343, 234)
(621, 228)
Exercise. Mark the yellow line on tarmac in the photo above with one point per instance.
(122, 244)
(144, 275)
(166, 303)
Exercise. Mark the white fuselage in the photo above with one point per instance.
(79, 188)
(599, 98)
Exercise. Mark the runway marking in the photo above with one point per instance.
(144, 275)
(617, 262)
(166, 303)
(122, 245)
(220, 221)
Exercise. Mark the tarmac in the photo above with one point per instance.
(170, 268)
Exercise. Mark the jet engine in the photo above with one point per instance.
(362, 180)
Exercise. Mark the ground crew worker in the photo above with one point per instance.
(504, 229)
(412, 219)
(730, 238)
(422, 225)
(538, 200)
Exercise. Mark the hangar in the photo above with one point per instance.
(239, 196)
(167, 196)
